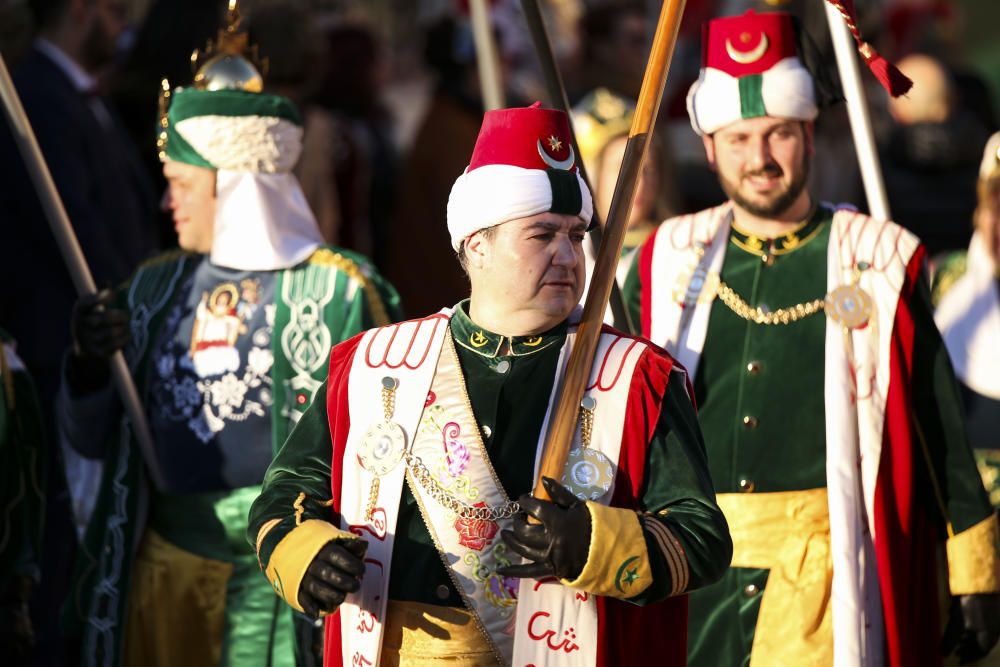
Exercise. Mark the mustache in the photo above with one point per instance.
(770, 171)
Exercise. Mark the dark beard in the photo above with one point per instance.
(776, 207)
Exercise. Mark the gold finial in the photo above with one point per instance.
(164, 106)
(229, 62)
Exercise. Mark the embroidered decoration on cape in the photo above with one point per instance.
(588, 473)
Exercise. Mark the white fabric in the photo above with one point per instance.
(855, 405)
(262, 222)
(259, 144)
(496, 193)
(413, 365)
(969, 319)
(713, 100)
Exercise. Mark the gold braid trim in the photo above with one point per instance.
(327, 257)
(780, 316)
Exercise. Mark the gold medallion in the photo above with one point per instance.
(849, 305)
(382, 448)
(588, 473)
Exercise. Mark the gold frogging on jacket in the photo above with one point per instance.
(787, 533)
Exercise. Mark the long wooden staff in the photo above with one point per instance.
(563, 424)
(72, 255)
(559, 100)
(487, 58)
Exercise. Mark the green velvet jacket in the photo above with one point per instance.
(509, 394)
(760, 392)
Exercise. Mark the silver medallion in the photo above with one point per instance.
(588, 473)
(382, 448)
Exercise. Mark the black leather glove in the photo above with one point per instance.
(98, 332)
(973, 627)
(557, 546)
(334, 572)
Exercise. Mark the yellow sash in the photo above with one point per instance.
(417, 633)
(177, 606)
(787, 533)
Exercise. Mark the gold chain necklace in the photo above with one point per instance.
(781, 316)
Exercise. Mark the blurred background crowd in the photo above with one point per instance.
(390, 97)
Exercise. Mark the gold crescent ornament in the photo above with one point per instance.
(751, 56)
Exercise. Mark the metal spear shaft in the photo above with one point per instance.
(73, 257)
(857, 111)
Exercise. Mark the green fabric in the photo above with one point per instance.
(191, 103)
(22, 486)
(949, 269)
(786, 450)
(566, 195)
(205, 524)
(512, 405)
(751, 100)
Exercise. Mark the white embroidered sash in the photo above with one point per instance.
(412, 363)
(525, 622)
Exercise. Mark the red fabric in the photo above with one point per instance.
(748, 44)
(515, 137)
(629, 631)
(338, 414)
(905, 540)
(646, 284)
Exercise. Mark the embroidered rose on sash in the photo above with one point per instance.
(475, 534)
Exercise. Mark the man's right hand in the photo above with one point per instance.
(98, 332)
(333, 574)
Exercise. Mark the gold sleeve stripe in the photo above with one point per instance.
(264, 530)
(672, 551)
(973, 561)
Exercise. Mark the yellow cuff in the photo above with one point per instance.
(617, 562)
(295, 552)
(974, 559)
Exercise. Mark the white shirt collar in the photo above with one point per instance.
(81, 80)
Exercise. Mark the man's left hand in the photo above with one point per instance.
(558, 545)
(974, 627)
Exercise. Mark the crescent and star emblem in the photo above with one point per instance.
(478, 339)
(565, 165)
(751, 56)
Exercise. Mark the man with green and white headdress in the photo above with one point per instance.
(228, 340)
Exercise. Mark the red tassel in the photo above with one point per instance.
(887, 74)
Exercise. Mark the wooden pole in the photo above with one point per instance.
(563, 424)
(72, 255)
(559, 100)
(487, 57)
(857, 111)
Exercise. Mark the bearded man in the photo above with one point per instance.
(832, 421)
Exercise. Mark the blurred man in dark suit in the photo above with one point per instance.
(111, 206)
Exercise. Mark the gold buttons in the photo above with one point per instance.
(747, 485)
(442, 592)
(487, 431)
(750, 421)
(751, 590)
(753, 367)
